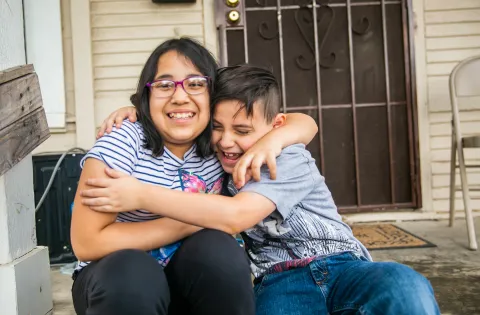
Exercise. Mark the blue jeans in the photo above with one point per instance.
(346, 284)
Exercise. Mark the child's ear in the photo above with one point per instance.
(279, 120)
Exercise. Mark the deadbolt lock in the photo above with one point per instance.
(233, 16)
(232, 3)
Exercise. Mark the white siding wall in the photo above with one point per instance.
(124, 33)
(62, 140)
(452, 33)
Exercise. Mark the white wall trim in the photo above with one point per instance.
(12, 45)
(83, 73)
(209, 27)
(422, 105)
(43, 37)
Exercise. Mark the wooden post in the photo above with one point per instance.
(24, 267)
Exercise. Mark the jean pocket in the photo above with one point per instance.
(257, 288)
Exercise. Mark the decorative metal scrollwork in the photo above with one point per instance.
(267, 32)
(362, 26)
(304, 20)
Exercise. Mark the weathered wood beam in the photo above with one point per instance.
(19, 98)
(15, 72)
(23, 124)
(20, 138)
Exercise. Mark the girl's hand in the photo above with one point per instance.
(116, 118)
(119, 193)
(265, 151)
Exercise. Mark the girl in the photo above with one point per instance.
(137, 264)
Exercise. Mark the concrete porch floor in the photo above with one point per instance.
(453, 270)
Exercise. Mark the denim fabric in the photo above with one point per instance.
(346, 284)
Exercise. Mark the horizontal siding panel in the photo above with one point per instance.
(129, 59)
(442, 142)
(145, 6)
(444, 129)
(472, 156)
(443, 181)
(444, 193)
(106, 105)
(141, 32)
(446, 117)
(439, 96)
(452, 55)
(452, 29)
(118, 84)
(432, 5)
(440, 69)
(118, 72)
(439, 168)
(444, 206)
(456, 42)
(152, 18)
(467, 15)
(102, 96)
(131, 45)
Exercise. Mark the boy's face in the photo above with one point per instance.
(234, 133)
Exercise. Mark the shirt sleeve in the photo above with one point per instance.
(118, 149)
(294, 180)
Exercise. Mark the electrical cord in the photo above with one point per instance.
(55, 170)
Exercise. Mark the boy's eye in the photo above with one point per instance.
(243, 132)
(216, 127)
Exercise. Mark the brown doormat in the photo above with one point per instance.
(387, 236)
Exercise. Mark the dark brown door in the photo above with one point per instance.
(347, 63)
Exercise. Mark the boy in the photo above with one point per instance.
(304, 258)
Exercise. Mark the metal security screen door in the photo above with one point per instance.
(347, 63)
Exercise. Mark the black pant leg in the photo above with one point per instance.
(124, 282)
(211, 272)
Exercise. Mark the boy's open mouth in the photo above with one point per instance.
(231, 157)
(182, 115)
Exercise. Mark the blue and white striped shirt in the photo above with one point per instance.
(123, 150)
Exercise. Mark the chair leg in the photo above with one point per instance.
(472, 239)
(452, 179)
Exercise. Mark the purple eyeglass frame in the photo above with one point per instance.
(149, 84)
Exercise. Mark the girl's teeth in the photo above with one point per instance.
(180, 115)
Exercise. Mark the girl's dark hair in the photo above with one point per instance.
(205, 63)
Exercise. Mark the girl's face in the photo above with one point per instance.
(182, 117)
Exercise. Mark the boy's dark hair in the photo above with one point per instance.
(248, 84)
(205, 63)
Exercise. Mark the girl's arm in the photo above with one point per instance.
(229, 214)
(95, 234)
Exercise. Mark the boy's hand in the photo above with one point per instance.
(265, 151)
(119, 193)
(116, 118)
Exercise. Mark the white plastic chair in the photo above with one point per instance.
(464, 83)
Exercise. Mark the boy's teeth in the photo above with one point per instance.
(231, 155)
(180, 115)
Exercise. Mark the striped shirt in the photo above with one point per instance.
(123, 150)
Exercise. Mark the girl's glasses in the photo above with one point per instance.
(166, 88)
